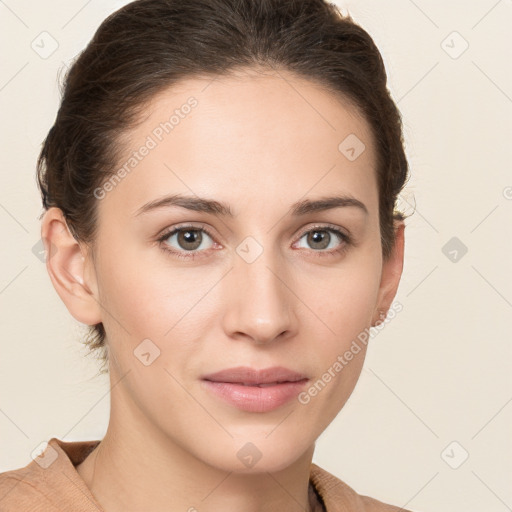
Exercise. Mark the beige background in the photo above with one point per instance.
(438, 373)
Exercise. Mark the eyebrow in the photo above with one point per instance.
(211, 206)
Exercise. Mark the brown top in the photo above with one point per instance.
(51, 483)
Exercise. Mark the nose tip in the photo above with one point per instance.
(260, 304)
(263, 332)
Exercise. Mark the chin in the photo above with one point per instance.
(256, 454)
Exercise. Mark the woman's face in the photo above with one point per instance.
(264, 281)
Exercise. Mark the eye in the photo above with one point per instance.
(187, 239)
(326, 237)
(190, 241)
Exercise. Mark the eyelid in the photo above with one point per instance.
(167, 232)
(327, 227)
(184, 255)
(346, 240)
(185, 225)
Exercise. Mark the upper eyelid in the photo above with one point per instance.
(172, 230)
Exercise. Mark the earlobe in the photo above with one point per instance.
(66, 263)
(391, 274)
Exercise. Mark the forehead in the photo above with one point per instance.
(274, 136)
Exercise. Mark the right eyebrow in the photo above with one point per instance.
(197, 204)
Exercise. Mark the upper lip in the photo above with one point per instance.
(247, 375)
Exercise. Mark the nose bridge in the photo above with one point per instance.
(260, 304)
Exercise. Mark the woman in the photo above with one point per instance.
(219, 190)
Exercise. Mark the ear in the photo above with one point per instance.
(391, 274)
(66, 263)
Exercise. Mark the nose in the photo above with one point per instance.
(260, 305)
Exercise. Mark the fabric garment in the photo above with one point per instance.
(51, 483)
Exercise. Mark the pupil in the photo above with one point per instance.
(320, 237)
(190, 239)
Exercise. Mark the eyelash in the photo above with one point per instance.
(190, 255)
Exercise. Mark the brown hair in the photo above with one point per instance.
(148, 45)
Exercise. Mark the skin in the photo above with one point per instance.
(258, 142)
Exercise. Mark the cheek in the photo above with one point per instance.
(163, 304)
(150, 321)
(346, 300)
(146, 296)
(345, 303)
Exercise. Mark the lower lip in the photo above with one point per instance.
(254, 398)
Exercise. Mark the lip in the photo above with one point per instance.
(255, 390)
(248, 375)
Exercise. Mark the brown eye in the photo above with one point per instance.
(189, 239)
(318, 239)
(322, 238)
(186, 239)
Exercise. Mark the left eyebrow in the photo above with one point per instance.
(211, 206)
(326, 203)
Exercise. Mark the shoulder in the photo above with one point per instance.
(337, 496)
(50, 482)
(373, 505)
(19, 491)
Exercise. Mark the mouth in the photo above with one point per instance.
(247, 376)
(255, 390)
(261, 385)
